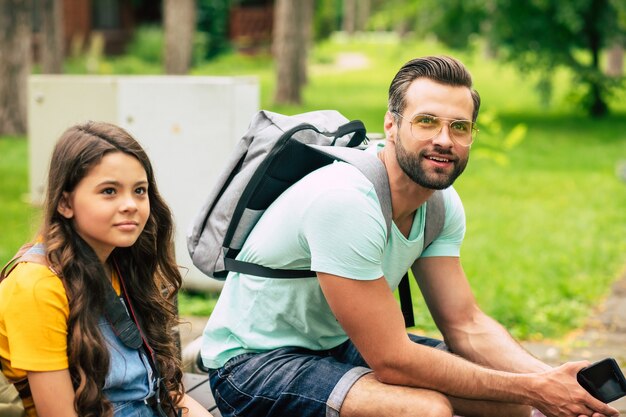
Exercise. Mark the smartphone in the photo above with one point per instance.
(604, 380)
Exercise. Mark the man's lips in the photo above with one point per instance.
(440, 159)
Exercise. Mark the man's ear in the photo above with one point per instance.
(390, 126)
(65, 208)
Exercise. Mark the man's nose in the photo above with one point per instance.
(444, 137)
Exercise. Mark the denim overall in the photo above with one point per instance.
(130, 380)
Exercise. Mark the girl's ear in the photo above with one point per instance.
(64, 208)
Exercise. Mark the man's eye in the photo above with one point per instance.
(460, 126)
(425, 120)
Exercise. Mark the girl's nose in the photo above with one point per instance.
(129, 204)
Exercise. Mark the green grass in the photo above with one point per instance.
(545, 232)
(17, 217)
(196, 304)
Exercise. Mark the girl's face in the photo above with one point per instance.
(109, 206)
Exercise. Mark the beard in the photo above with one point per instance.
(410, 162)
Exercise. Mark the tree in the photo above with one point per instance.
(355, 15)
(538, 36)
(180, 27)
(349, 16)
(291, 43)
(15, 64)
(362, 14)
(51, 36)
(556, 33)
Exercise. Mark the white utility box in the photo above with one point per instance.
(187, 124)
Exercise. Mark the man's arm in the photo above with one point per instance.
(372, 319)
(468, 331)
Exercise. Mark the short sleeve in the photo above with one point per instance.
(449, 241)
(36, 319)
(346, 234)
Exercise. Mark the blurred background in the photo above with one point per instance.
(544, 194)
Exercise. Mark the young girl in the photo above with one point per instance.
(67, 342)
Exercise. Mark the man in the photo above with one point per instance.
(336, 345)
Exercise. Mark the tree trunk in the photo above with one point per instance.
(615, 64)
(180, 27)
(292, 37)
(15, 64)
(51, 46)
(597, 104)
(306, 23)
(349, 16)
(362, 15)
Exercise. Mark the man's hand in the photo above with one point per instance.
(559, 395)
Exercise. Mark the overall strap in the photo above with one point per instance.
(29, 252)
(131, 329)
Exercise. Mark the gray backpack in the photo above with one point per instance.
(276, 152)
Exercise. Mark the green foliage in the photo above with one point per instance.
(493, 142)
(147, 44)
(538, 36)
(551, 33)
(213, 25)
(326, 18)
(196, 304)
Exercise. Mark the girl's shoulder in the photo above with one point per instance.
(32, 277)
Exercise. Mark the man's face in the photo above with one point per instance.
(437, 162)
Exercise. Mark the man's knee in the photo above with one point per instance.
(438, 406)
(369, 397)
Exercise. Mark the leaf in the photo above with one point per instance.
(497, 156)
(515, 136)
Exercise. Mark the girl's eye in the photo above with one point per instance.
(141, 190)
(108, 191)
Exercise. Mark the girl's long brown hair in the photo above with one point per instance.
(148, 268)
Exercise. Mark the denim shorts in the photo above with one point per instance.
(291, 381)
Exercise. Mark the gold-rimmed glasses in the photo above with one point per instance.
(427, 126)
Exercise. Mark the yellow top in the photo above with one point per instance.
(33, 322)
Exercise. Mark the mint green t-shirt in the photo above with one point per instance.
(330, 221)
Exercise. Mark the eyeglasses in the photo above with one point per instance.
(426, 126)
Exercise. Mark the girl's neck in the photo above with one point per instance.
(108, 271)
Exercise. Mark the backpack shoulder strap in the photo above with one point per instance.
(373, 169)
(435, 218)
(29, 252)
